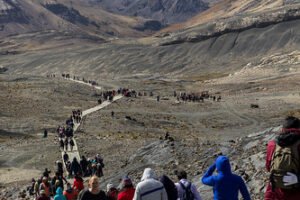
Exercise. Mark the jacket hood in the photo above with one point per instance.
(287, 138)
(148, 173)
(223, 165)
(59, 191)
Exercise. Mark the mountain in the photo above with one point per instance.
(165, 11)
(222, 9)
(77, 18)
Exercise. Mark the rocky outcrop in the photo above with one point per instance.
(165, 11)
(10, 12)
(69, 14)
(233, 25)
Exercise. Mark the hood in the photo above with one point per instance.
(59, 191)
(223, 165)
(148, 173)
(287, 138)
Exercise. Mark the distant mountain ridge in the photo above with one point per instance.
(165, 11)
(75, 17)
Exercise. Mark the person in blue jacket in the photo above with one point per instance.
(226, 185)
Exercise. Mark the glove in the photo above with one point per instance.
(290, 179)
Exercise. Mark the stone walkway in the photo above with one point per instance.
(75, 152)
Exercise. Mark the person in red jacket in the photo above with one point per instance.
(290, 135)
(127, 189)
(70, 193)
(78, 183)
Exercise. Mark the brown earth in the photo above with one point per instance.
(29, 104)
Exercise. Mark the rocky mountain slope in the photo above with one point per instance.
(228, 8)
(18, 16)
(165, 11)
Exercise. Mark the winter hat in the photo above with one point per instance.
(109, 186)
(126, 182)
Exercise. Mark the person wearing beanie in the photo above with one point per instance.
(127, 189)
(149, 188)
(226, 185)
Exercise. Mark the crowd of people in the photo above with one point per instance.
(282, 161)
(196, 97)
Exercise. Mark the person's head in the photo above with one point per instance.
(126, 182)
(94, 184)
(45, 179)
(110, 187)
(223, 165)
(59, 191)
(148, 173)
(181, 174)
(291, 122)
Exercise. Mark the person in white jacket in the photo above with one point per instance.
(149, 188)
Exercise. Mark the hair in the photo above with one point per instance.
(91, 180)
(291, 122)
(181, 175)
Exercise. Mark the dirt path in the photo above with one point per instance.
(75, 152)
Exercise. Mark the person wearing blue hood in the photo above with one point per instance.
(59, 194)
(226, 185)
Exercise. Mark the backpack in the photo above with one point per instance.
(188, 194)
(284, 159)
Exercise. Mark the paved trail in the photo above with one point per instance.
(75, 152)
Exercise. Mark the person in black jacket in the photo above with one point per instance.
(170, 187)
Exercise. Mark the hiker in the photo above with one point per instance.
(61, 144)
(167, 135)
(43, 196)
(186, 190)
(45, 133)
(75, 167)
(66, 143)
(284, 178)
(59, 194)
(37, 187)
(226, 185)
(111, 192)
(59, 167)
(57, 181)
(127, 189)
(158, 98)
(78, 183)
(84, 165)
(72, 144)
(46, 173)
(149, 188)
(169, 187)
(112, 114)
(45, 186)
(94, 192)
(70, 193)
(65, 157)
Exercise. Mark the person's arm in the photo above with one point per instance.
(244, 191)
(195, 192)
(208, 179)
(137, 195)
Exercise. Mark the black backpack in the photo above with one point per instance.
(188, 194)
